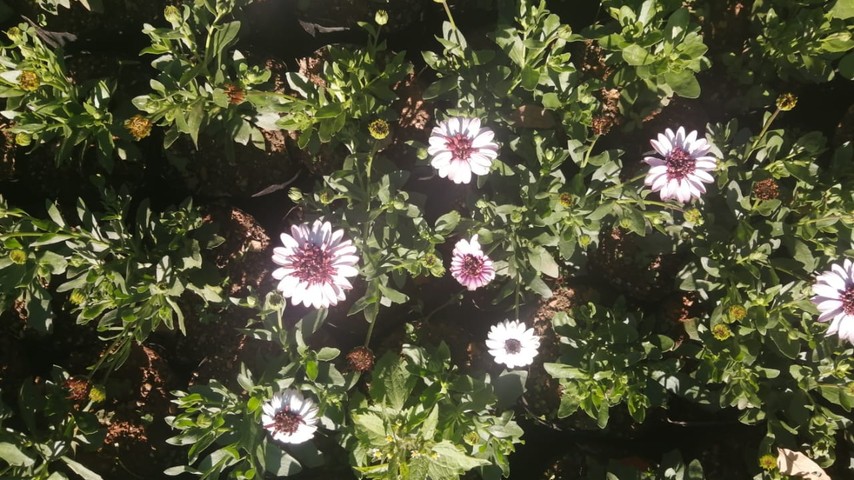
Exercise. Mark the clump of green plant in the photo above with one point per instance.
(657, 51)
(224, 429)
(47, 107)
(124, 272)
(355, 87)
(423, 419)
(204, 84)
(633, 369)
(53, 431)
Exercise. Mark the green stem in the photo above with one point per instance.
(450, 16)
(453, 299)
(622, 184)
(589, 151)
(370, 332)
(762, 133)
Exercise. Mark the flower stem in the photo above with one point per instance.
(762, 133)
(450, 16)
(370, 332)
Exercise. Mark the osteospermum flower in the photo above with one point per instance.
(289, 417)
(684, 168)
(470, 266)
(512, 344)
(834, 297)
(315, 263)
(460, 147)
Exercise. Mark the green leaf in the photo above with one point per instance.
(509, 386)
(370, 428)
(451, 461)
(683, 83)
(437, 88)
(392, 382)
(543, 262)
(559, 370)
(447, 222)
(636, 55)
(843, 9)
(12, 455)
(277, 462)
(530, 78)
(81, 470)
(846, 66)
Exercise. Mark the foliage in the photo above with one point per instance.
(223, 430)
(46, 105)
(423, 420)
(124, 272)
(203, 85)
(53, 432)
(572, 110)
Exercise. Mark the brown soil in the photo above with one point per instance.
(245, 255)
(632, 267)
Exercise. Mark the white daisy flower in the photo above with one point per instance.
(834, 297)
(315, 263)
(684, 168)
(289, 417)
(460, 147)
(512, 344)
(470, 266)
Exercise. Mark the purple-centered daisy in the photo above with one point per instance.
(684, 168)
(512, 344)
(470, 266)
(315, 263)
(460, 147)
(834, 298)
(289, 417)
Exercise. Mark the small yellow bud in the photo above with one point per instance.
(18, 256)
(737, 313)
(23, 139)
(295, 194)
(721, 332)
(787, 101)
(138, 126)
(694, 216)
(14, 33)
(172, 14)
(76, 297)
(29, 81)
(768, 462)
(381, 17)
(566, 200)
(584, 240)
(97, 394)
(378, 129)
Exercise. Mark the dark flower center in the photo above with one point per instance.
(285, 421)
(460, 146)
(679, 164)
(847, 298)
(472, 265)
(313, 264)
(512, 345)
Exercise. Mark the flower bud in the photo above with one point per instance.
(138, 126)
(721, 332)
(97, 394)
(29, 81)
(23, 139)
(787, 101)
(172, 14)
(295, 194)
(379, 129)
(381, 17)
(18, 256)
